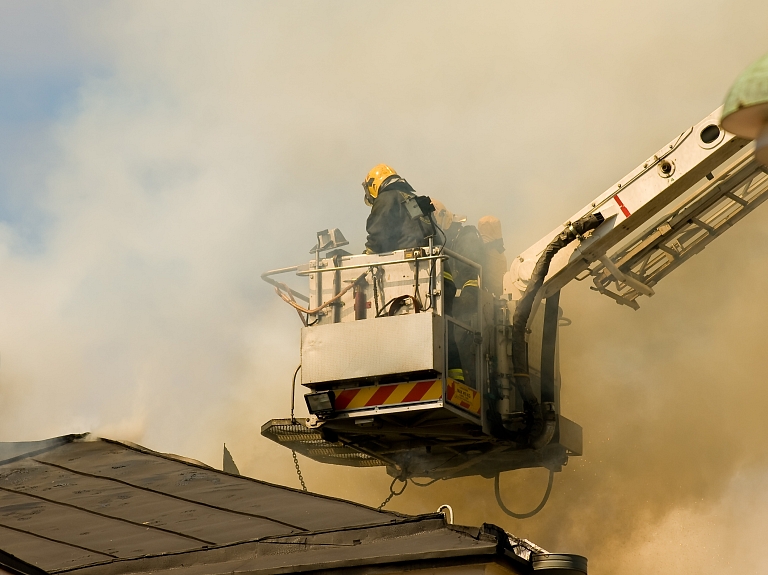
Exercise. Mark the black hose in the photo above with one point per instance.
(293, 395)
(524, 307)
(400, 298)
(425, 484)
(445, 239)
(375, 291)
(539, 507)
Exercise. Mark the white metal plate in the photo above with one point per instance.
(372, 347)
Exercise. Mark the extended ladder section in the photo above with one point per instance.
(683, 232)
(662, 213)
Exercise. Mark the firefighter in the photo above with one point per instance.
(465, 241)
(389, 225)
(495, 261)
(445, 220)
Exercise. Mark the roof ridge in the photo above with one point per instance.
(256, 541)
(44, 446)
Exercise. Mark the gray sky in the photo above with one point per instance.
(155, 158)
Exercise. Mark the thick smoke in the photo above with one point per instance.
(211, 142)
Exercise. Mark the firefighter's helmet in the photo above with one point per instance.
(489, 228)
(373, 181)
(443, 216)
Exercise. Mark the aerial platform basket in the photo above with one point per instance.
(376, 359)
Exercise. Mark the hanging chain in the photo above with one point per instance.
(298, 471)
(387, 500)
(293, 421)
(392, 492)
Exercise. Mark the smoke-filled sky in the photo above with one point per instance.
(155, 158)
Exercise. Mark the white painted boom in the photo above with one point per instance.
(661, 213)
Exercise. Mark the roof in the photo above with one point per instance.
(75, 504)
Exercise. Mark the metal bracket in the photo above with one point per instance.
(625, 279)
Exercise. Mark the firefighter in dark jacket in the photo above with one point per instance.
(465, 241)
(389, 226)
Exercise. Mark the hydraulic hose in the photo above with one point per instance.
(521, 376)
(538, 508)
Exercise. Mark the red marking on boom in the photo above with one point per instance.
(624, 209)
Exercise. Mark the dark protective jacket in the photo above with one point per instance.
(389, 226)
(465, 241)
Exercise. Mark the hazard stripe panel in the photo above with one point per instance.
(396, 393)
(463, 396)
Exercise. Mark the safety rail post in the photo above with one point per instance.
(478, 333)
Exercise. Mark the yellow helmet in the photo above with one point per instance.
(489, 228)
(443, 216)
(374, 179)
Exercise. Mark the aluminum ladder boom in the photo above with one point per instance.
(662, 213)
